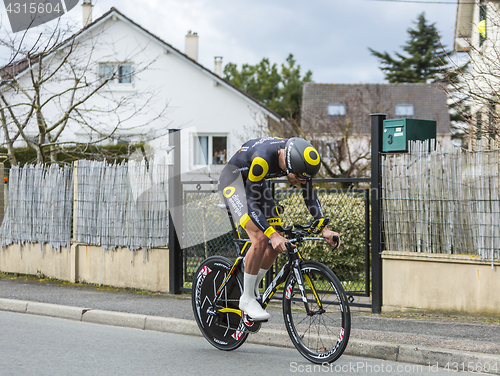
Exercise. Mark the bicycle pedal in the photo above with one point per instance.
(256, 322)
(254, 329)
(252, 326)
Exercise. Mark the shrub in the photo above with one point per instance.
(347, 216)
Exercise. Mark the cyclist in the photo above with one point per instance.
(244, 189)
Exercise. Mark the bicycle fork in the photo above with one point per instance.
(300, 283)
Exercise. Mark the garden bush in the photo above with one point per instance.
(346, 211)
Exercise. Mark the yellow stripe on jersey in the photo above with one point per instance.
(244, 220)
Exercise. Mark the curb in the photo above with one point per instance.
(425, 356)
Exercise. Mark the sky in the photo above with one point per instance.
(328, 37)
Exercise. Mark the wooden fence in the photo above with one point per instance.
(40, 204)
(121, 205)
(92, 202)
(442, 202)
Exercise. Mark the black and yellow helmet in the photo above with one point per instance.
(301, 158)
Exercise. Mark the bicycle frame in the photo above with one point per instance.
(292, 264)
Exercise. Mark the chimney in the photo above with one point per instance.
(87, 12)
(218, 66)
(191, 47)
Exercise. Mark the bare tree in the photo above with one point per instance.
(56, 91)
(342, 140)
(478, 87)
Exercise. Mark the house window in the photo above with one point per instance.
(404, 111)
(210, 149)
(336, 109)
(106, 71)
(125, 74)
(117, 73)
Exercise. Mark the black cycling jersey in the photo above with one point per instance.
(256, 161)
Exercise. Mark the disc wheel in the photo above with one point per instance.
(225, 331)
(322, 336)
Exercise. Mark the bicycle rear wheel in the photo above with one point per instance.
(225, 331)
(321, 337)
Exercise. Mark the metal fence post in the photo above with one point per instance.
(175, 213)
(75, 199)
(376, 124)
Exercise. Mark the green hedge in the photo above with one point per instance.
(109, 153)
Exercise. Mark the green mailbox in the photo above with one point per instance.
(397, 133)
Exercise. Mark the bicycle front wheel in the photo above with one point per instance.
(321, 335)
(225, 330)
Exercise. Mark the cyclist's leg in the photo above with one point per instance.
(253, 260)
(263, 255)
(254, 256)
(272, 215)
(232, 191)
(267, 257)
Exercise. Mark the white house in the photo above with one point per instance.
(160, 88)
(477, 32)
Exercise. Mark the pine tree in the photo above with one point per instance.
(280, 91)
(427, 61)
(425, 58)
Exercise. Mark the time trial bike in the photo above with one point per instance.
(315, 307)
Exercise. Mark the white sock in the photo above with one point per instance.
(249, 286)
(260, 276)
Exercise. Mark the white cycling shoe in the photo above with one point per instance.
(253, 309)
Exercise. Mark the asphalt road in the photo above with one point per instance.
(38, 345)
(169, 306)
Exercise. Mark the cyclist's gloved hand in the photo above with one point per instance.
(279, 243)
(318, 225)
(331, 237)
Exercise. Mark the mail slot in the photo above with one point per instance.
(397, 133)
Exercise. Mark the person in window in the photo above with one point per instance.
(243, 188)
(219, 157)
(222, 157)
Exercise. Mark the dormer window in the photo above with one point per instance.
(404, 111)
(336, 109)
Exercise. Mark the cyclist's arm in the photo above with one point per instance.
(314, 206)
(311, 200)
